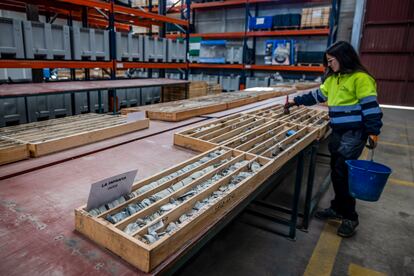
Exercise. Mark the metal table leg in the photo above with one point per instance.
(309, 187)
(295, 203)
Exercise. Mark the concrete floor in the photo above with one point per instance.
(37, 229)
(384, 241)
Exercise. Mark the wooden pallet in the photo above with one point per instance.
(133, 248)
(12, 151)
(184, 109)
(59, 134)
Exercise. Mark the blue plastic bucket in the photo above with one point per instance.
(367, 179)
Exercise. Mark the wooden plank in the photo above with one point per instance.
(185, 114)
(192, 143)
(11, 151)
(109, 237)
(53, 132)
(83, 138)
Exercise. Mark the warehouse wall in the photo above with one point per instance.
(346, 18)
(387, 49)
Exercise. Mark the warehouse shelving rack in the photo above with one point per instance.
(97, 13)
(247, 69)
(108, 15)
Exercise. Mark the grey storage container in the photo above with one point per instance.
(12, 111)
(128, 97)
(210, 79)
(129, 47)
(11, 38)
(175, 76)
(195, 77)
(90, 44)
(141, 74)
(234, 55)
(155, 49)
(81, 101)
(151, 95)
(257, 82)
(230, 83)
(48, 107)
(176, 50)
(276, 82)
(43, 40)
(94, 100)
(16, 74)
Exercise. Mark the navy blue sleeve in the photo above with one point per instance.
(372, 115)
(310, 98)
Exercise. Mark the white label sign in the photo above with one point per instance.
(107, 190)
(260, 21)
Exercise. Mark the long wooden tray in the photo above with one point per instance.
(59, 134)
(12, 151)
(146, 256)
(220, 132)
(184, 109)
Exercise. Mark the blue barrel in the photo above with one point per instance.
(367, 179)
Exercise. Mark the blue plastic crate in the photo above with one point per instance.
(260, 22)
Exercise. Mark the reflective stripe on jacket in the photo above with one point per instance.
(352, 101)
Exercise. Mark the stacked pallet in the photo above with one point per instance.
(315, 17)
(165, 213)
(214, 89)
(41, 138)
(184, 109)
(195, 89)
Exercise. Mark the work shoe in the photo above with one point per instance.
(328, 213)
(347, 228)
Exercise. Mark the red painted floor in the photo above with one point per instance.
(36, 210)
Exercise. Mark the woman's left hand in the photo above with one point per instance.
(372, 141)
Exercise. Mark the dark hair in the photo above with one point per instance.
(347, 57)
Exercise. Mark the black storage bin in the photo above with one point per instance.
(295, 19)
(310, 57)
(277, 21)
(285, 20)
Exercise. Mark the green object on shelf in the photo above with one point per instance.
(195, 44)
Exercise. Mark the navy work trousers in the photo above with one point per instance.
(344, 145)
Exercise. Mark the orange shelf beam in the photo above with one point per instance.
(216, 66)
(40, 64)
(89, 3)
(226, 3)
(317, 69)
(153, 16)
(305, 32)
(127, 65)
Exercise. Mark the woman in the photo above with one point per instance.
(355, 118)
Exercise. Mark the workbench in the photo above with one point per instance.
(40, 200)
